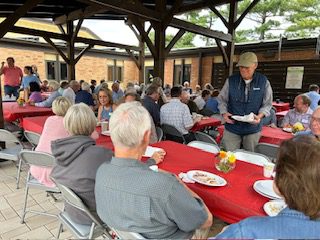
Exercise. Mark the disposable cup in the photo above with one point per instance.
(268, 169)
(104, 126)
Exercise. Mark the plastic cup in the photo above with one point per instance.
(268, 169)
(104, 126)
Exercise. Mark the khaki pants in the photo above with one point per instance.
(231, 141)
(201, 233)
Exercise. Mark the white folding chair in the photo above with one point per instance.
(39, 159)
(127, 235)
(203, 137)
(208, 147)
(12, 150)
(32, 137)
(81, 231)
(251, 157)
(270, 150)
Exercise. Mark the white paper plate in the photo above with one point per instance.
(287, 129)
(247, 118)
(264, 187)
(106, 133)
(150, 151)
(272, 208)
(206, 178)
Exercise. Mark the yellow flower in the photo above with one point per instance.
(223, 154)
(232, 158)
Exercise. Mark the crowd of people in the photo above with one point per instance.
(126, 194)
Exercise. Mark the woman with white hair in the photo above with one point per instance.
(53, 87)
(53, 129)
(78, 158)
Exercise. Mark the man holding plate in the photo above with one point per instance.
(244, 93)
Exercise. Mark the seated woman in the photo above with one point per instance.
(53, 129)
(78, 158)
(35, 94)
(105, 104)
(298, 182)
(27, 79)
(53, 87)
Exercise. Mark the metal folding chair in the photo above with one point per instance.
(127, 235)
(39, 159)
(169, 130)
(203, 137)
(208, 147)
(270, 150)
(159, 133)
(251, 157)
(12, 150)
(32, 137)
(81, 231)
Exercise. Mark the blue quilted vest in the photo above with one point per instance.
(239, 105)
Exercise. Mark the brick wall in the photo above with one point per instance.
(168, 71)
(130, 72)
(91, 68)
(194, 72)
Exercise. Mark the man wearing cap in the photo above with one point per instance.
(243, 93)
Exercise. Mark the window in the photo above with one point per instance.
(148, 74)
(115, 73)
(63, 71)
(119, 74)
(181, 73)
(186, 73)
(177, 74)
(51, 70)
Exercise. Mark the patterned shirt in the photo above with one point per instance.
(177, 114)
(293, 117)
(132, 197)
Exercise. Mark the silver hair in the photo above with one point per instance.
(128, 124)
(85, 86)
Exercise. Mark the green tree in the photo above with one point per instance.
(304, 18)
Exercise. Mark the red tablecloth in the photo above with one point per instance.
(12, 111)
(231, 203)
(268, 135)
(35, 124)
(281, 106)
(274, 135)
(209, 122)
(281, 114)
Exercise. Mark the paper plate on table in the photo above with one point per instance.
(272, 208)
(206, 178)
(287, 129)
(106, 133)
(246, 118)
(264, 187)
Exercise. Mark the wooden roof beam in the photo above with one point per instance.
(134, 8)
(245, 12)
(201, 5)
(9, 22)
(190, 27)
(79, 13)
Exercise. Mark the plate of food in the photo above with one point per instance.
(206, 178)
(246, 118)
(287, 129)
(272, 208)
(265, 188)
(106, 133)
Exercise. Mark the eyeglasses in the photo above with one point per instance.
(314, 119)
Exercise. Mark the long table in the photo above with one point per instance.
(231, 203)
(281, 106)
(12, 111)
(204, 123)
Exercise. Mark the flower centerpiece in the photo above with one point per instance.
(225, 161)
(297, 127)
(20, 101)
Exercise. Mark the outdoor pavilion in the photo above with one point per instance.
(135, 13)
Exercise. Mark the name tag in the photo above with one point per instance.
(256, 89)
(304, 121)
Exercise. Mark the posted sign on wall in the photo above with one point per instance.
(294, 77)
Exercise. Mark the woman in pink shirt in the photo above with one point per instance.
(53, 129)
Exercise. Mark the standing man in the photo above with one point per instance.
(314, 96)
(12, 77)
(243, 93)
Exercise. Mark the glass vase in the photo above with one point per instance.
(224, 165)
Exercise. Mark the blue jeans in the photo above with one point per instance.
(10, 90)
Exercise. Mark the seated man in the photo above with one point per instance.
(301, 112)
(185, 98)
(132, 197)
(202, 99)
(177, 114)
(298, 182)
(150, 103)
(314, 125)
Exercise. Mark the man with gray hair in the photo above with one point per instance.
(132, 197)
(242, 94)
(71, 91)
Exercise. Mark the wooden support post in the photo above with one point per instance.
(70, 52)
(200, 69)
(232, 31)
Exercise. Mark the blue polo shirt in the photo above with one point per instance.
(26, 80)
